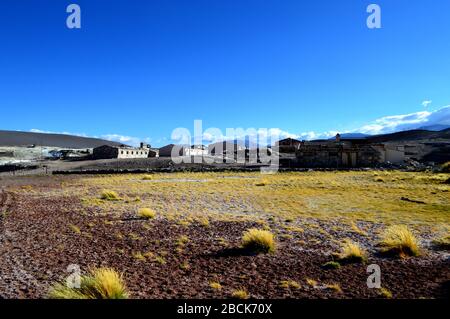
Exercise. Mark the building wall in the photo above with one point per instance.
(288, 145)
(133, 153)
(334, 155)
(105, 152)
(153, 152)
(394, 156)
(109, 152)
(166, 151)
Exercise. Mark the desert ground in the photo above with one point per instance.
(190, 243)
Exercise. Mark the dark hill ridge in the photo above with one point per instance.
(403, 136)
(413, 135)
(17, 138)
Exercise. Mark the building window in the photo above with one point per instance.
(127, 153)
(121, 152)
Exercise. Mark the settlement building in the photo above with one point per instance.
(338, 153)
(183, 150)
(109, 152)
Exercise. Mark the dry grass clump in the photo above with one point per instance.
(258, 241)
(146, 213)
(139, 256)
(160, 260)
(204, 221)
(289, 284)
(446, 167)
(109, 195)
(385, 293)
(182, 240)
(399, 241)
(351, 252)
(311, 282)
(240, 293)
(147, 177)
(185, 265)
(101, 283)
(334, 287)
(75, 229)
(215, 285)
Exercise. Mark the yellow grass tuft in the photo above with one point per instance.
(385, 293)
(101, 283)
(215, 285)
(147, 177)
(289, 284)
(240, 294)
(138, 255)
(160, 260)
(351, 252)
(182, 240)
(204, 221)
(334, 287)
(75, 229)
(146, 213)
(398, 240)
(311, 282)
(446, 167)
(258, 241)
(109, 195)
(185, 265)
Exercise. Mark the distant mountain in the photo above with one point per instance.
(412, 135)
(436, 127)
(350, 136)
(403, 136)
(246, 142)
(17, 138)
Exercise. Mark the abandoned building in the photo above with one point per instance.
(183, 150)
(288, 145)
(338, 153)
(110, 152)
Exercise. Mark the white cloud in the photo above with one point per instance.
(426, 103)
(389, 124)
(393, 123)
(128, 140)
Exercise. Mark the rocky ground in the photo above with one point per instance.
(41, 235)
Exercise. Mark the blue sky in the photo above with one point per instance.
(143, 68)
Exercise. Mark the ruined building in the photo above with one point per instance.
(337, 153)
(110, 152)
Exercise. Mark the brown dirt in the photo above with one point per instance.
(37, 244)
